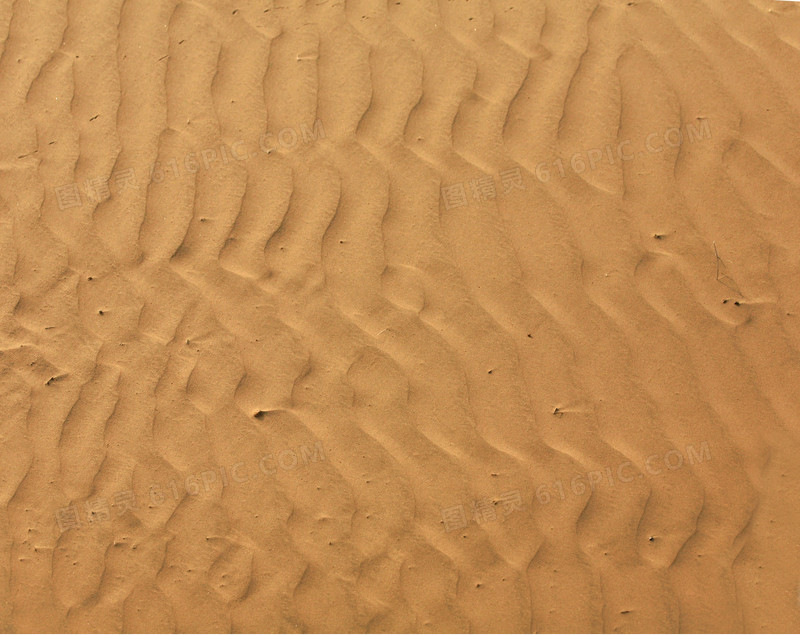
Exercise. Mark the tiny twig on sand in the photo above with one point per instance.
(724, 278)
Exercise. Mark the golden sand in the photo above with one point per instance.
(406, 316)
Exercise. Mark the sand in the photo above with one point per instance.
(407, 316)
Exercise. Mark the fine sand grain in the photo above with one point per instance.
(407, 315)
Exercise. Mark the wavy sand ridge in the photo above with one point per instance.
(408, 316)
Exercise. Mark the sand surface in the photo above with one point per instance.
(425, 316)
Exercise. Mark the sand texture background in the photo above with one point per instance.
(427, 316)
